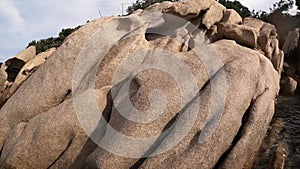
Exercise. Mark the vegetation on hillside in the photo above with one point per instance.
(142, 4)
(281, 6)
(237, 6)
(45, 44)
(277, 14)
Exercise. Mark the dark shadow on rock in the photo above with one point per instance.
(90, 145)
(14, 66)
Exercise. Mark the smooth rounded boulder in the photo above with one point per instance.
(121, 92)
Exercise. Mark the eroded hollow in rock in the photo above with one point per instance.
(14, 66)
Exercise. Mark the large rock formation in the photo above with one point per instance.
(292, 69)
(290, 86)
(18, 68)
(218, 111)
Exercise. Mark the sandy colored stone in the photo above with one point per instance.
(189, 9)
(159, 7)
(28, 144)
(3, 77)
(192, 154)
(231, 17)
(253, 23)
(242, 34)
(277, 56)
(213, 15)
(292, 41)
(40, 123)
(47, 90)
(290, 87)
(145, 82)
(264, 39)
(30, 101)
(27, 54)
(20, 59)
(184, 155)
(32, 148)
(29, 68)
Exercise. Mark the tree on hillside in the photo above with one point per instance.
(142, 4)
(236, 5)
(45, 44)
(278, 11)
(282, 6)
(280, 17)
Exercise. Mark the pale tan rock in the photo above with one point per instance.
(290, 87)
(253, 23)
(23, 56)
(27, 54)
(213, 15)
(292, 41)
(146, 82)
(231, 17)
(280, 62)
(277, 56)
(183, 155)
(3, 77)
(29, 68)
(47, 90)
(54, 80)
(13, 65)
(242, 34)
(40, 124)
(192, 158)
(264, 39)
(34, 142)
(159, 7)
(189, 9)
(237, 158)
(28, 144)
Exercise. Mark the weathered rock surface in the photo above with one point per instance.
(189, 9)
(41, 126)
(18, 68)
(231, 17)
(3, 77)
(252, 33)
(242, 34)
(213, 15)
(291, 49)
(30, 67)
(289, 87)
(292, 41)
(13, 65)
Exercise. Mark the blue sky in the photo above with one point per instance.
(23, 21)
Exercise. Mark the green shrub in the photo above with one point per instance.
(45, 44)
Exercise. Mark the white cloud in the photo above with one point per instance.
(23, 21)
(258, 4)
(264, 5)
(294, 10)
(11, 19)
